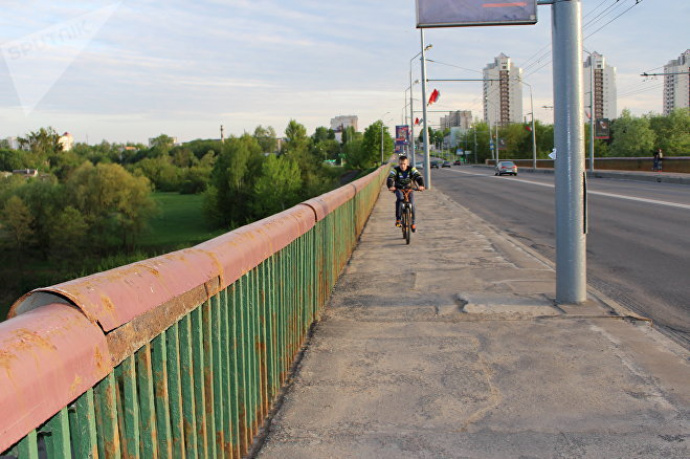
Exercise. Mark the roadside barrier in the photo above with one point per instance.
(182, 355)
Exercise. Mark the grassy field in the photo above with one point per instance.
(179, 223)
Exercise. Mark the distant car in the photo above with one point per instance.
(506, 167)
(420, 165)
(445, 164)
(457, 162)
(434, 164)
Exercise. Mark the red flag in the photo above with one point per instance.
(416, 121)
(529, 128)
(434, 96)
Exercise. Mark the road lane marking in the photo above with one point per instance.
(677, 205)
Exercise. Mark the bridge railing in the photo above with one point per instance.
(181, 355)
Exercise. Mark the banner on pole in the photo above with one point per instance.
(602, 130)
(402, 138)
(463, 13)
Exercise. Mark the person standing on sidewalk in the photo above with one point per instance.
(401, 176)
(658, 158)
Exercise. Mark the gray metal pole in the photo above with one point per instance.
(413, 160)
(591, 113)
(534, 131)
(427, 165)
(381, 143)
(571, 241)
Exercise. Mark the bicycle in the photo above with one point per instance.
(406, 213)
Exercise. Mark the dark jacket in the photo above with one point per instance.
(403, 179)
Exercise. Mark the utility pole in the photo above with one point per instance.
(427, 166)
(222, 134)
(571, 239)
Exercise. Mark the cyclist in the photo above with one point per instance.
(401, 176)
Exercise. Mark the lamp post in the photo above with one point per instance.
(427, 168)
(534, 132)
(412, 137)
(382, 136)
(411, 132)
(591, 110)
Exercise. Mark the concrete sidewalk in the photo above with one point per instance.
(452, 347)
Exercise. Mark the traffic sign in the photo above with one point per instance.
(461, 13)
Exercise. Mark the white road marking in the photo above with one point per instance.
(590, 192)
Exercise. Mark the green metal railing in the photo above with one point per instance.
(204, 385)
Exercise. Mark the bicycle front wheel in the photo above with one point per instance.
(408, 224)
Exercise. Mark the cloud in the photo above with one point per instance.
(36, 61)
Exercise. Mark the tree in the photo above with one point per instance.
(115, 204)
(277, 188)
(45, 142)
(369, 154)
(17, 221)
(164, 175)
(672, 132)
(631, 136)
(233, 176)
(11, 160)
(69, 229)
(266, 138)
(44, 198)
(323, 134)
(162, 144)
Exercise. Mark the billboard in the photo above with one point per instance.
(460, 13)
(601, 129)
(402, 138)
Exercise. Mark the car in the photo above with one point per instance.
(506, 167)
(434, 164)
(445, 164)
(457, 162)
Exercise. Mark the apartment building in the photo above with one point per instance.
(502, 92)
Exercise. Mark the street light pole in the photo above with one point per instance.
(571, 239)
(382, 136)
(427, 169)
(591, 110)
(412, 137)
(534, 132)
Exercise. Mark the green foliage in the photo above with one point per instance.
(161, 171)
(11, 160)
(17, 221)
(323, 134)
(233, 177)
(631, 136)
(69, 227)
(114, 203)
(672, 132)
(367, 152)
(278, 187)
(43, 142)
(266, 138)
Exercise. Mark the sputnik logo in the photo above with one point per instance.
(37, 61)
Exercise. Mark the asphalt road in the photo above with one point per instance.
(638, 244)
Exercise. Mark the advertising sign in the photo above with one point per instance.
(461, 13)
(601, 130)
(402, 138)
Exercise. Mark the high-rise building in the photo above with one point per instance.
(67, 141)
(339, 123)
(605, 95)
(502, 92)
(460, 119)
(342, 122)
(677, 83)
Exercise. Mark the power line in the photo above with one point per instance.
(637, 2)
(591, 12)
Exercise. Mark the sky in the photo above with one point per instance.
(131, 70)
